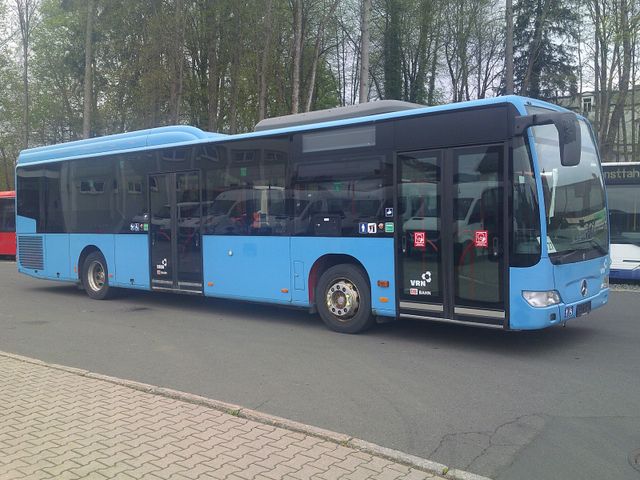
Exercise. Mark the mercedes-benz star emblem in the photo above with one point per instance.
(583, 288)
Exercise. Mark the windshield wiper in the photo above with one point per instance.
(591, 242)
(562, 256)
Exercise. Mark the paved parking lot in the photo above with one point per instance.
(560, 403)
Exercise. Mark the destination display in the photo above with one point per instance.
(621, 174)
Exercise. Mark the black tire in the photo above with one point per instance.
(343, 299)
(95, 277)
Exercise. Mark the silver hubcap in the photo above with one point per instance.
(343, 299)
(96, 276)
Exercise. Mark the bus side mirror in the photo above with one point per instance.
(569, 136)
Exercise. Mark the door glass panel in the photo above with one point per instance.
(160, 230)
(478, 227)
(419, 226)
(188, 225)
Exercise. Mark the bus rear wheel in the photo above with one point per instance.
(343, 299)
(95, 277)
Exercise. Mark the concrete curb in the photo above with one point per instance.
(246, 413)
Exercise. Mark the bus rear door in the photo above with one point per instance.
(174, 232)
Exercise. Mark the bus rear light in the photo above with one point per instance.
(542, 299)
(383, 283)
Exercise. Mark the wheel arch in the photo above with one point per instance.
(86, 251)
(323, 263)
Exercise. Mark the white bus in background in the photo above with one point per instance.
(623, 194)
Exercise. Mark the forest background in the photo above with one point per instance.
(72, 69)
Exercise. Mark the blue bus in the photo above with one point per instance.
(487, 213)
(623, 198)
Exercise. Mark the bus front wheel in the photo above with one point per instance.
(95, 277)
(343, 299)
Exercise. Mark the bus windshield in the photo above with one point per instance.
(574, 198)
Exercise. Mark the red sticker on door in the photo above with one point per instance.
(481, 239)
(420, 239)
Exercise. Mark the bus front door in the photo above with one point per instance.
(174, 232)
(451, 243)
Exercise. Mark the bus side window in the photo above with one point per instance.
(525, 223)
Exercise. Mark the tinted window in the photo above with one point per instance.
(244, 187)
(624, 213)
(133, 170)
(337, 194)
(90, 195)
(28, 193)
(7, 215)
(525, 221)
(55, 186)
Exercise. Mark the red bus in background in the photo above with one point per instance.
(8, 223)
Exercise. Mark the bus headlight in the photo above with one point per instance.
(542, 299)
(605, 282)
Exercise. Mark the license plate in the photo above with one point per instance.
(583, 309)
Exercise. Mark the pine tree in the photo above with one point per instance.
(544, 61)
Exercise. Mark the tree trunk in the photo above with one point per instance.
(509, 49)
(392, 52)
(213, 83)
(363, 95)
(617, 116)
(88, 70)
(297, 55)
(234, 76)
(178, 63)
(264, 63)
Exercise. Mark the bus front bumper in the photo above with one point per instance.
(532, 318)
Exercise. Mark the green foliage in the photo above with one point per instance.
(544, 63)
(202, 62)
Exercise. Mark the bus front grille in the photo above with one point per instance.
(30, 252)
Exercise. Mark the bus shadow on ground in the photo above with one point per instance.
(431, 334)
(534, 342)
(130, 301)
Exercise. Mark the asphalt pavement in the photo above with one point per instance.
(558, 403)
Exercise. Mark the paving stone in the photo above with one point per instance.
(63, 425)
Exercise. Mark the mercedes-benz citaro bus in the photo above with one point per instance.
(623, 197)
(8, 224)
(324, 211)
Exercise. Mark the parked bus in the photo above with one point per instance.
(623, 194)
(8, 224)
(488, 213)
